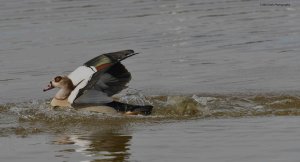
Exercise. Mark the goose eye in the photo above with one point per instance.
(57, 79)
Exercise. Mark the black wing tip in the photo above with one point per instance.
(127, 52)
(114, 56)
(120, 55)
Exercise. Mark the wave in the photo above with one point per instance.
(172, 106)
(37, 116)
(228, 106)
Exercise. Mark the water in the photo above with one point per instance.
(247, 139)
(254, 139)
(223, 76)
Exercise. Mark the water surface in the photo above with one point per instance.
(223, 76)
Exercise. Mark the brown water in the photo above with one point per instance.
(182, 128)
(246, 139)
(223, 76)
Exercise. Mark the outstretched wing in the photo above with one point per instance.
(103, 60)
(113, 80)
(110, 75)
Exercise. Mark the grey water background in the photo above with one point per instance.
(186, 47)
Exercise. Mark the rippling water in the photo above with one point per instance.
(223, 76)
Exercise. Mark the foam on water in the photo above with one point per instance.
(37, 116)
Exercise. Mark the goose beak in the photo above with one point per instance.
(50, 86)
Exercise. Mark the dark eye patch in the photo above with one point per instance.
(57, 79)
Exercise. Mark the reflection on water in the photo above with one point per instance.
(99, 146)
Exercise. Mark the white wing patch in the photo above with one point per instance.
(80, 77)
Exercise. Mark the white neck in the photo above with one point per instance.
(63, 93)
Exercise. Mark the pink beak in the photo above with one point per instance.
(48, 88)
